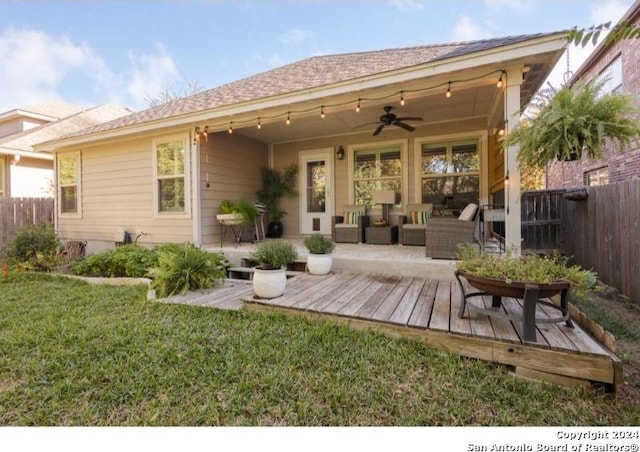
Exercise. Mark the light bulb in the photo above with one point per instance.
(322, 111)
(230, 127)
(259, 125)
(449, 90)
(288, 119)
(358, 106)
(499, 84)
(401, 99)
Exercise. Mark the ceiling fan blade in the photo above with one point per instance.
(404, 126)
(410, 118)
(378, 130)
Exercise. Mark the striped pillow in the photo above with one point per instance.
(351, 217)
(420, 217)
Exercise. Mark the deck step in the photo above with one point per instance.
(247, 272)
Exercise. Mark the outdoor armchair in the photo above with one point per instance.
(442, 235)
(349, 226)
(412, 225)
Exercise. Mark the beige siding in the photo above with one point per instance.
(229, 169)
(286, 153)
(117, 187)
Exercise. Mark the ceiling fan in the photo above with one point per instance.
(389, 119)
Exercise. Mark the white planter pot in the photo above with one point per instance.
(229, 219)
(319, 264)
(269, 283)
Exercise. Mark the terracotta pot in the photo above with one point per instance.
(515, 289)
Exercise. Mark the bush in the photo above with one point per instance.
(185, 268)
(127, 260)
(33, 248)
(319, 244)
(274, 255)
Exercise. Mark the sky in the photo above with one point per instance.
(90, 53)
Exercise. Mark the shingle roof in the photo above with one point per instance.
(310, 73)
(24, 141)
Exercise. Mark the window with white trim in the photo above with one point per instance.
(170, 165)
(613, 75)
(599, 176)
(69, 182)
(376, 170)
(450, 173)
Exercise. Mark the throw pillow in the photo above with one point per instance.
(351, 217)
(420, 217)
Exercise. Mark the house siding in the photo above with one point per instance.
(117, 192)
(229, 169)
(622, 166)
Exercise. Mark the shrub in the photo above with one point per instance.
(127, 260)
(319, 244)
(186, 268)
(33, 248)
(274, 254)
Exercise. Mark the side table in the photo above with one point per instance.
(385, 235)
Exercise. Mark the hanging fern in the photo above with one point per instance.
(576, 122)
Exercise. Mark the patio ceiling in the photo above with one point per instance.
(474, 95)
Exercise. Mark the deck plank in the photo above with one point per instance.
(391, 301)
(503, 329)
(513, 307)
(371, 305)
(307, 293)
(457, 324)
(480, 323)
(405, 307)
(352, 296)
(441, 307)
(376, 287)
(348, 288)
(554, 332)
(422, 311)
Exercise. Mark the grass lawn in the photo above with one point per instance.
(74, 354)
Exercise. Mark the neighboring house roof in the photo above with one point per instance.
(632, 16)
(306, 74)
(23, 142)
(50, 111)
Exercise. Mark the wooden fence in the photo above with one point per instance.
(18, 212)
(599, 231)
(603, 232)
(541, 218)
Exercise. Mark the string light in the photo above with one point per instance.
(206, 133)
(196, 136)
(500, 82)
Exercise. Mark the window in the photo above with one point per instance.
(613, 74)
(595, 177)
(450, 173)
(376, 170)
(170, 164)
(69, 182)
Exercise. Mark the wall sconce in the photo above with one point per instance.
(340, 153)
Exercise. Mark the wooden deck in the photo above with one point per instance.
(426, 310)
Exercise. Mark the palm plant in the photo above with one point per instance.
(575, 122)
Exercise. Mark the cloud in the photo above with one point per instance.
(610, 10)
(151, 75)
(262, 62)
(465, 29)
(517, 7)
(35, 64)
(407, 5)
(38, 67)
(295, 35)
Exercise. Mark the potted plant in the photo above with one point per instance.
(319, 261)
(272, 257)
(575, 122)
(237, 212)
(275, 185)
(506, 276)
